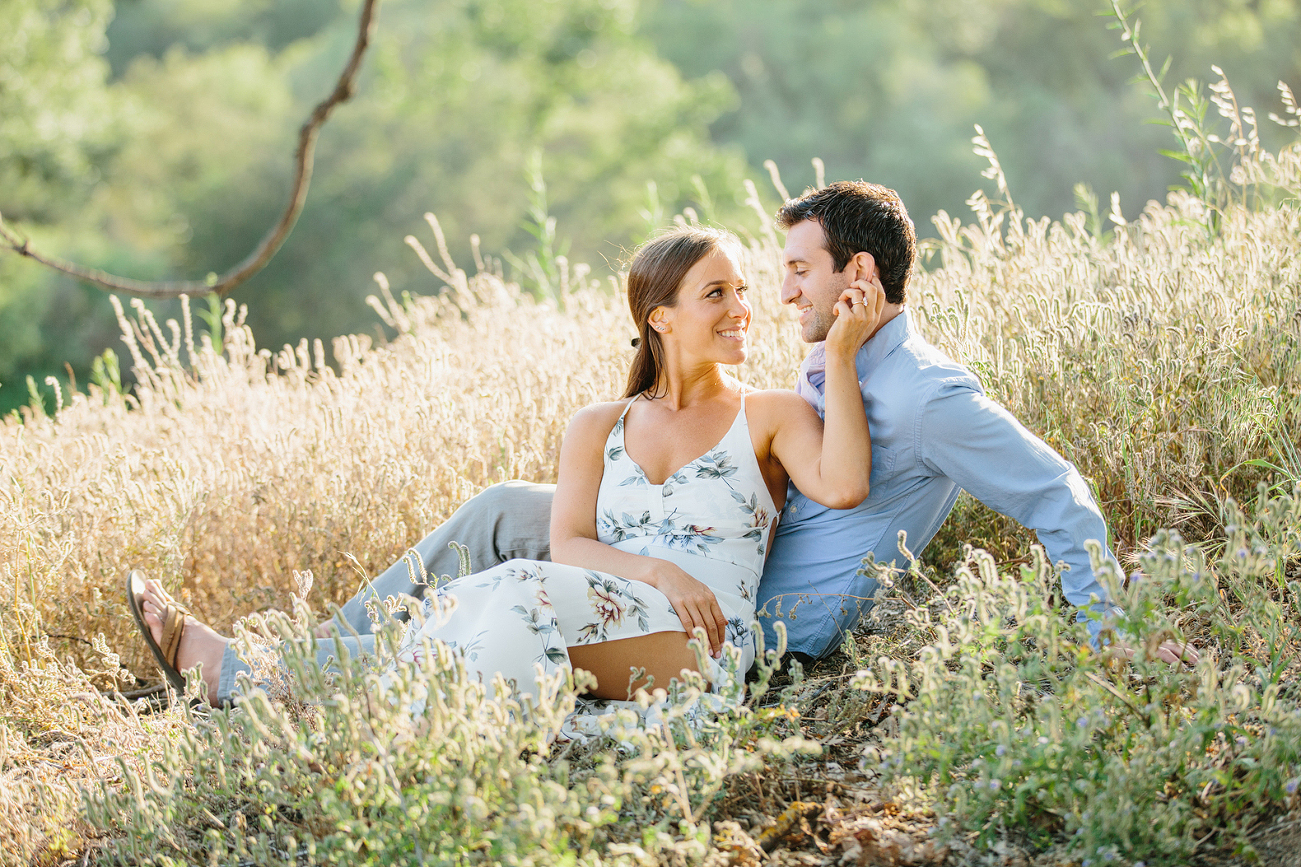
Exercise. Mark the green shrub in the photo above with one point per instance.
(1011, 723)
(351, 775)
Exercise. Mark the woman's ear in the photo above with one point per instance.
(660, 320)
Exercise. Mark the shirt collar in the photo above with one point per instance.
(873, 352)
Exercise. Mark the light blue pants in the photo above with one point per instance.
(504, 522)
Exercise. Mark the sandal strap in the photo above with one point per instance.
(173, 627)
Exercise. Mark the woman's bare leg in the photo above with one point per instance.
(199, 642)
(663, 654)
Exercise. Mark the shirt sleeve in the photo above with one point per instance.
(962, 434)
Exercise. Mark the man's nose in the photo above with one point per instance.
(789, 291)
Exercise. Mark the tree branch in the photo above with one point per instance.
(273, 239)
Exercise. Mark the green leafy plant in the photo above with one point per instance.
(383, 762)
(1010, 723)
(540, 269)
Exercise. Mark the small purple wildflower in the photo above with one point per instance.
(1291, 786)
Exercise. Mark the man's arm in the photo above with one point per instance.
(978, 444)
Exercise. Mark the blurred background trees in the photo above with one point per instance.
(154, 138)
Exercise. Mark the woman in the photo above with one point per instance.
(665, 501)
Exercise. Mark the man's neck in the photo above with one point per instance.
(889, 312)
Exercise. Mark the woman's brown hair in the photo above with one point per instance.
(654, 278)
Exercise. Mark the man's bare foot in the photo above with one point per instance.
(199, 643)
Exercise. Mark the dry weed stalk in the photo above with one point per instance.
(1160, 361)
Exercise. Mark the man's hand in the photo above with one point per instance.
(1174, 651)
(1169, 651)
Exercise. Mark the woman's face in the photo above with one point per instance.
(712, 316)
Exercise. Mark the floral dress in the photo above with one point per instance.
(711, 518)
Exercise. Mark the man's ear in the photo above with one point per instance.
(862, 266)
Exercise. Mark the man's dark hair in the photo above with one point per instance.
(860, 217)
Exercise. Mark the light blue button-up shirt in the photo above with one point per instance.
(934, 432)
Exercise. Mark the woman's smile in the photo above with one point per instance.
(713, 292)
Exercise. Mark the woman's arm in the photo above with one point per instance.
(573, 528)
(831, 461)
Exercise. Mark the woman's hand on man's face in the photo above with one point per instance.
(858, 312)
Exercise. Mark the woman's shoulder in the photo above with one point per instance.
(775, 400)
(773, 407)
(597, 419)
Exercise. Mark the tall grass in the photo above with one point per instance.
(1158, 352)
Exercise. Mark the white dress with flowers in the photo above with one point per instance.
(711, 518)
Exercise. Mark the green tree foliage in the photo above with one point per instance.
(58, 132)
(53, 130)
(152, 27)
(890, 90)
(154, 138)
(455, 98)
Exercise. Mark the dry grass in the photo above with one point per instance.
(1161, 358)
(224, 473)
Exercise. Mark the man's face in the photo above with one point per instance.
(812, 284)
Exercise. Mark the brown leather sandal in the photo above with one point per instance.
(173, 627)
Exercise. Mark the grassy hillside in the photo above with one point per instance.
(1158, 351)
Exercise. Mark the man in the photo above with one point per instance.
(934, 433)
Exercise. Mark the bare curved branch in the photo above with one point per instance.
(271, 242)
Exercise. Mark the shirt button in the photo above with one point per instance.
(794, 509)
